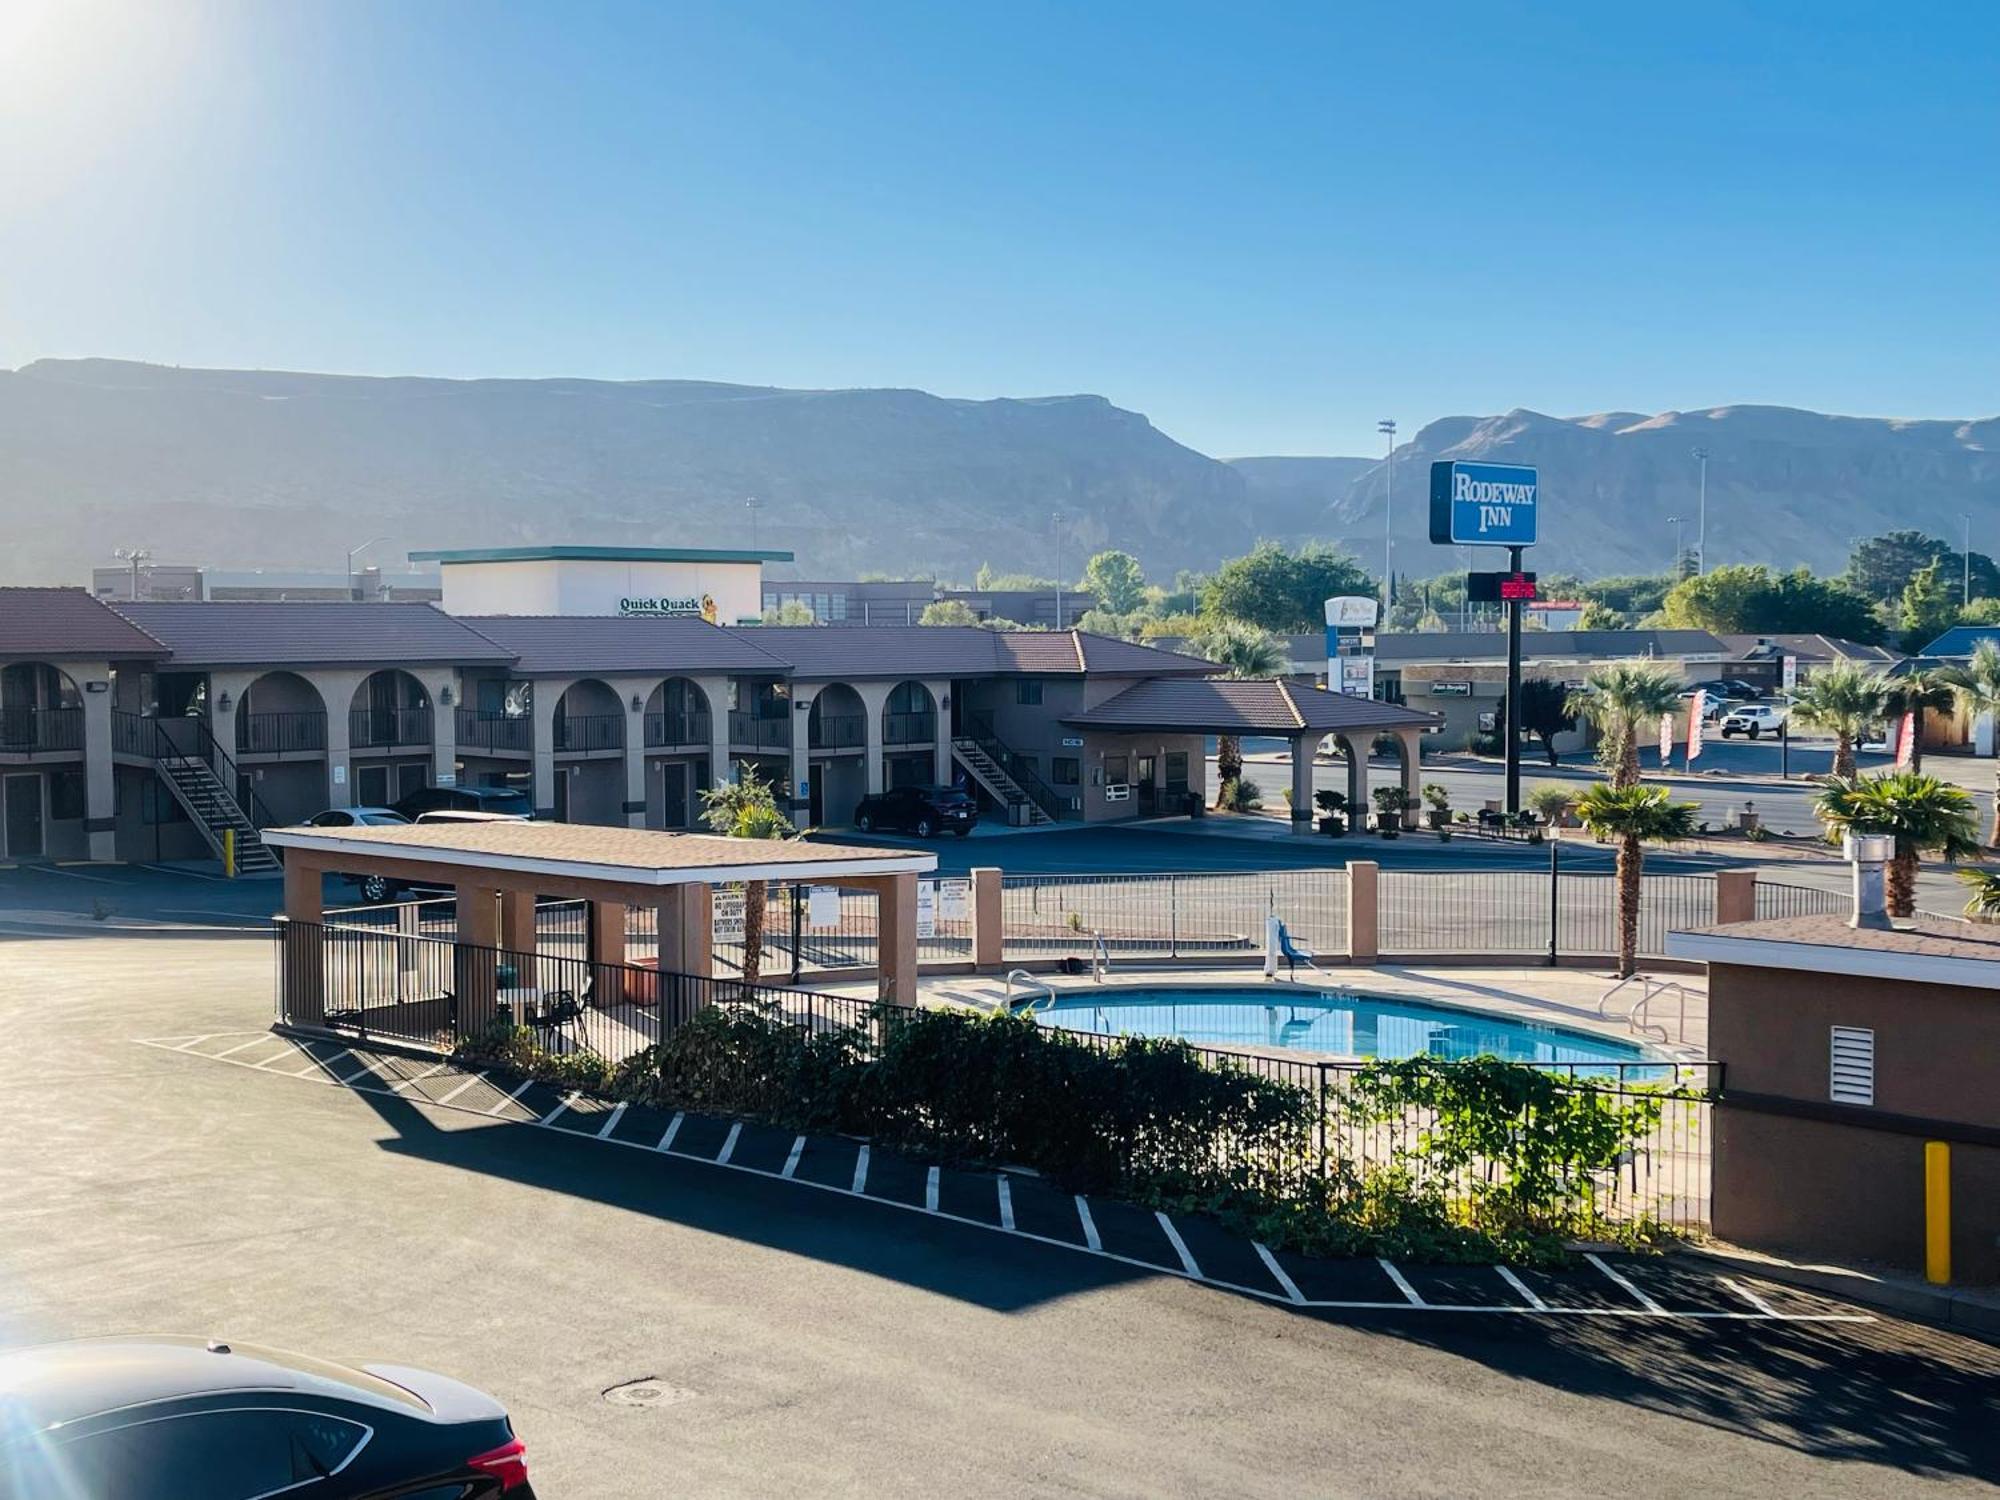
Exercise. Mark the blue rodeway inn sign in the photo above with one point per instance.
(1483, 505)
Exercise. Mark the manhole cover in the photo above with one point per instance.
(648, 1391)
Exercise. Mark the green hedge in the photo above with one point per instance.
(1486, 1159)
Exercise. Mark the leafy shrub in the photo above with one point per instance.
(1240, 795)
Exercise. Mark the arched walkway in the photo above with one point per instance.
(390, 707)
(677, 714)
(589, 717)
(280, 713)
(40, 708)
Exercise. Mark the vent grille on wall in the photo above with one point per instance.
(1853, 1078)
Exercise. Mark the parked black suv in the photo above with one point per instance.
(922, 810)
(490, 799)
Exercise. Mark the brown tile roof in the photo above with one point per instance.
(310, 634)
(51, 624)
(609, 644)
(855, 651)
(628, 854)
(1220, 706)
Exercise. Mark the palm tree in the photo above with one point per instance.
(1976, 685)
(1922, 813)
(1845, 699)
(1983, 905)
(1624, 700)
(748, 809)
(1633, 816)
(1919, 691)
(1243, 651)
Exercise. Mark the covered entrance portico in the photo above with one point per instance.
(1295, 711)
(495, 872)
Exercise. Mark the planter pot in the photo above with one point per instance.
(1438, 817)
(1333, 827)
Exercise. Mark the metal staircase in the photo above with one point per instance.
(190, 777)
(1002, 773)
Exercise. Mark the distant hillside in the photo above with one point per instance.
(238, 468)
(259, 468)
(1784, 486)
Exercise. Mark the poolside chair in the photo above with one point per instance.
(1292, 953)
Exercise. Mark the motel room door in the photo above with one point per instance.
(24, 816)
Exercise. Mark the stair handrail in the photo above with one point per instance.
(164, 749)
(979, 729)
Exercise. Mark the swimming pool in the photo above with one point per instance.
(1302, 1019)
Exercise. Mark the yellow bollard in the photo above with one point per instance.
(229, 853)
(1937, 1212)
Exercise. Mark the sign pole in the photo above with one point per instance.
(1513, 726)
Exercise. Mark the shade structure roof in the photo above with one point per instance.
(1281, 706)
(580, 851)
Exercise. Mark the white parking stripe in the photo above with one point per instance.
(1402, 1284)
(1006, 1203)
(1089, 1224)
(1749, 1296)
(562, 1104)
(367, 1066)
(729, 1143)
(1527, 1292)
(1180, 1246)
(861, 1170)
(673, 1129)
(519, 1090)
(610, 1121)
(192, 1042)
(431, 1071)
(1758, 1310)
(1278, 1272)
(241, 1047)
(792, 1161)
(1637, 1295)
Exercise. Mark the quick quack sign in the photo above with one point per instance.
(1491, 505)
(693, 604)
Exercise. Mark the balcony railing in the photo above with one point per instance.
(372, 728)
(837, 731)
(280, 733)
(133, 734)
(28, 730)
(689, 728)
(580, 732)
(909, 729)
(757, 733)
(477, 731)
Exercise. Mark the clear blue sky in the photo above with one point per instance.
(1262, 226)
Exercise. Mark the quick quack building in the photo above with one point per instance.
(612, 685)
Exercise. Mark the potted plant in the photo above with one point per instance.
(1390, 805)
(1332, 813)
(1438, 800)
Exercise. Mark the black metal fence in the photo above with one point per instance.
(1170, 916)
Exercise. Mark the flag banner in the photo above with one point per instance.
(1666, 740)
(1906, 740)
(1697, 710)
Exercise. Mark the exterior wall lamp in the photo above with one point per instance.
(444, 696)
(224, 703)
(638, 704)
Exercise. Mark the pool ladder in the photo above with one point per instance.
(1047, 995)
(1637, 1018)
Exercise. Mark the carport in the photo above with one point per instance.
(1291, 709)
(496, 870)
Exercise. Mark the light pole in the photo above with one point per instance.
(1965, 594)
(135, 556)
(751, 505)
(1677, 522)
(1387, 427)
(1701, 525)
(1055, 533)
(352, 552)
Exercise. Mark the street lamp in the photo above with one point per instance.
(135, 556)
(1387, 427)
(1055, 532)
(751, 505)
(352, 553)
(1677, 522)
(1701, 526)
(1965, 595)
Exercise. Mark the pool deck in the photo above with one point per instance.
(1562, 997)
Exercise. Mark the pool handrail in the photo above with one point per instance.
(1031, 984)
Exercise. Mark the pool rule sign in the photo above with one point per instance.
(1493, 505)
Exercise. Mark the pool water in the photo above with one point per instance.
(1302, 1019)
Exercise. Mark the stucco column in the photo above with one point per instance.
(336, 690)
(1363, 920)
(874, 698)
(302, 1000)
(632, 690)
(989, 930)
(1357, 784)
(548, 692)
(896, 938)
(1735, 896)
(686, 958)
(716, 690)
(1302, 782)
(1413, 773)
(943, 770)
(100, 821)
(606, 935)
(517, 921)
(474, 966)
(444, 725)
(800, 766)
(222, 721)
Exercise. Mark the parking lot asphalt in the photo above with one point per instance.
(815, 1333)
